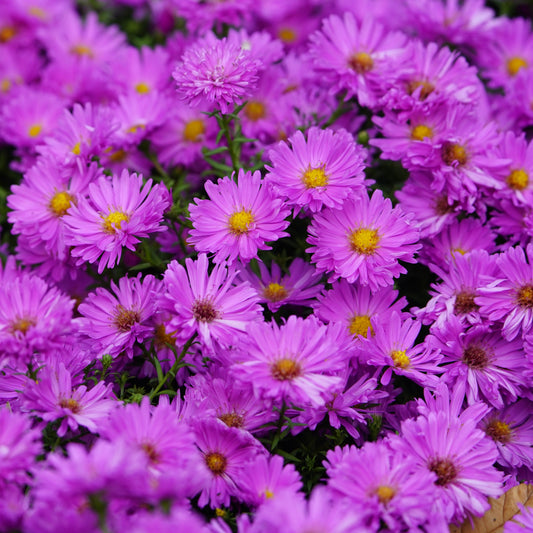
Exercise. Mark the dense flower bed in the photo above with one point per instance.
(266, 265)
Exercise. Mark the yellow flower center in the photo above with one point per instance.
(269, 494)
(60, 203)
(315, 177)
(71, 404)
(113, 221)
(232, 420)
(286, 369)
(216, 462)
(193, 130)
(77, 148)
(524, 296)
(142, 88)
(458, 251)
(38, 12)
(364, 241)
(7, 33)
(518, 180)
(135, 128)
(499, 431)
(400, 359)
(514, 64)
(34, 130)
(421, 132)
(118, 156)
(22, 325)
(254, 110)
(287, 35)
(361, 62)
(427, 88)
(275, 292)
(240, 221)
(452, 152)
(360, 324)
(385, 494)
(5, 85)
(162, 338)
(82, 50)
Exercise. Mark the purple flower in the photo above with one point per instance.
(321, 170)
(118, 212)
(215, 73)
(238, 219)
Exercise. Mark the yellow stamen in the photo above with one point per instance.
(220, 512)
(240, 221)
(518, 180)
(7, 33)
(232, 420)
(142, 88)
(162, 338)
(360, 324)
(499, 431)
(60, 203)
(71, 404)
(514, 64)
(38, 12)
(400, 359)
(77, 148)
(216, 462)
(82, 50)
(5, 85)
(361, 62)
(425, 91)
(421, 132)
(275, 292)
(22, 325)
(452, 152)
(194, 130)
(135, 128)
(34, 130)
(286, 369)
(364, 241)
(524, 296)
(269, 494)
(459, 251)
(254, 110)
(385, 494)
(113, 221)
(315, 177)
(118, 156)
(287, 35)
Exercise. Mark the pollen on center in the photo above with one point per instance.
(315, 177)
(254, 110)
(385, 493)
(60, 203)
(454, 153)
(286, 369)
(113, 221)
(142, 88)
(71, 404)
(524, 296)
(518, 179)
(34, 130)
(240, 222)
(360, 324)
(499, 431)
(361, 62)
(514, 64)
(193, 131)
(421, 132)
(82, 50)
(275, 292)
(125, 319)
(216, 462)
(400, 358)
(364, 241)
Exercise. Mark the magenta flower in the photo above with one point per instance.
(238, 219)
(119, 212)
(321, 170)
(363, 241)
(215, 73)
(208, 304)
(53, 397)
(116, 321)
(299, 287)
(293, 363)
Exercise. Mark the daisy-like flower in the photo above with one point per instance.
(116, 321)
(488, 367)
(447, 442)
(238, 219)
(393, 347)
(356, 57)
(321, 170)
(357, 307)
(216, 73)
(294, 362)
(509, 297)
(299, 287)
(384, 485)
(118, 212)
(208, 304)
(53, 397)
(363, 241)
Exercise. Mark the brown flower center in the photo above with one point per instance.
(233, 419)
(71, 404)
(125, 319)
(361, 62)
(204, 310)
(475, 357)
(446, 471)
(524, 296)
(216, 462)
(454, 153)
(286, 369)
(464, 303)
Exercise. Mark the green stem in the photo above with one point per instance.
(233, 147)
(174, 368)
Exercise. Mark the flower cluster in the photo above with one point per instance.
(265, 266)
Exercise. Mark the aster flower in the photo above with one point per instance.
(321, 170)
(393, 346)
(445, 441)
(356, 57)
(489, 368)
(299, 286)
(509, 296)
(208, 304)
(238, 219)
(118, 212)
(357, 307)
(53, 397)
(293, 363)
(224, 452)
(524, 521)
(383, 485)
(363, 241)
(116, 321)
(215, 73)
(511, 428)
